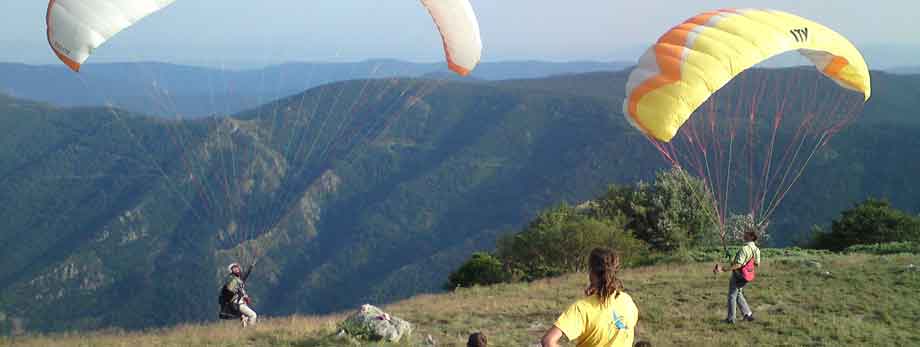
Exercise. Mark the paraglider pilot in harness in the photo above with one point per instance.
(234, 302)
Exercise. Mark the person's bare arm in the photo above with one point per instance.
(245, 275)
(732, 268)
(719, 268)
(551, 338)
(639, 342)
(638, 331)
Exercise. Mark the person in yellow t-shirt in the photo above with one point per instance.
(606, 317)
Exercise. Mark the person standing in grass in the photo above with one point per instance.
(235, 302)
(742, 269)
(606, 317)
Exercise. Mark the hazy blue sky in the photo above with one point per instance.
(213, 32)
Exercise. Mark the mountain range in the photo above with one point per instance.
(350, 192)
(184, 91)
(907, 70)
(181, 91)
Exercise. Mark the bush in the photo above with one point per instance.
(870, 222)
(481, 269)
(673, 212)
(886, 248)
(550, 249)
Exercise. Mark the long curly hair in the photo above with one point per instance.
(604, 263)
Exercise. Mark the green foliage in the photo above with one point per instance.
(716, 254)
(669, 214)
(546, 250)
(356, 329)
(481, 269)
(738, 224)
(870, 222)
(886, 248)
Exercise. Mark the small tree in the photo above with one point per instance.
(671, 213)
(738, 224)
(870, 222)
(481, 269)
(552, 249)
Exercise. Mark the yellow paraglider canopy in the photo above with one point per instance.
(698, 57)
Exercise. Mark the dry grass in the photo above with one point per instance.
(287, 331)
(866, 300)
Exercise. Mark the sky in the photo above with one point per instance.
(234, 32)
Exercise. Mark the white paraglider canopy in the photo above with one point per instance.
(77, 27)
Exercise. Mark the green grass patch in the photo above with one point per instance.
(886, 248)
(800, 298)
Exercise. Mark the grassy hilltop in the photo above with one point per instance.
(801, 298)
